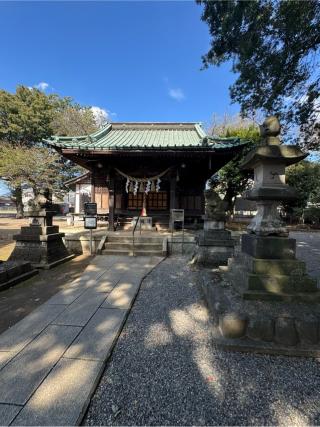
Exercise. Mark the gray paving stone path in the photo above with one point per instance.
(51, 361)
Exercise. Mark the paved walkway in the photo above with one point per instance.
(164, 369)
(51, 361)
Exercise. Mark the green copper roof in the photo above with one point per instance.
(145, 136)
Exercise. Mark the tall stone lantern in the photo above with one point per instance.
(41, 243)
(266, 267)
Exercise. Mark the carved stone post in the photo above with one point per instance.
(214, 244)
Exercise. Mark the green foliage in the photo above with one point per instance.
(312, 216)
(26, 118)
(234, 180)
(36, 167)
(273, 46)
(304, 177)
(73, 120)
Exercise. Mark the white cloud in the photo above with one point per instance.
(100, 115)
(177, 94)
(42, 86)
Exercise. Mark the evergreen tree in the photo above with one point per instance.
(273, 46)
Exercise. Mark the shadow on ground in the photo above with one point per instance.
(165, 369)
(18, 301)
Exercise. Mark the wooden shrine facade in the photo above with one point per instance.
(160, 166)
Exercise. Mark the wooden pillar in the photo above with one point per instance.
(173, 184)
(93, 188)
(111, 202)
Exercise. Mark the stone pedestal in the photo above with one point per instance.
(40, 243)
(144, 221)
(214, 245)
(267, 269)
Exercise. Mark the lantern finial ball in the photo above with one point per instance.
(269, 130)
(270, 127)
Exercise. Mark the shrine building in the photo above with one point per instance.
(146, 168)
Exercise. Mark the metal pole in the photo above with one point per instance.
(90, 241)
(182, 249)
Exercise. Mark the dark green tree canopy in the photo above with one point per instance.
(26, 118)
(274, 48)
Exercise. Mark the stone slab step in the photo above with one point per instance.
(138, 246)
(18, 336)
(63, 396)
(98, 336)
(129, 252)
(24, 373)
(137, 238)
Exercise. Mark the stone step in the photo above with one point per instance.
(137, 239)
(281, 283)
(137, 245)
(129, 252)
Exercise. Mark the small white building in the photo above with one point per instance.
(83, 188)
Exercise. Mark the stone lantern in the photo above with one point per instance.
(267, 267)
(41, 243)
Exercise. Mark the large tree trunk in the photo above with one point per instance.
(17, 194)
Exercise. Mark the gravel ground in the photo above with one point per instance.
(165, 370)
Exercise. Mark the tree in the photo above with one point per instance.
(274, 47)
(304, 177)
(73, 119)
(26, 118)
(232, 179)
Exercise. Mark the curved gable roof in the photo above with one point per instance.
(128, 136)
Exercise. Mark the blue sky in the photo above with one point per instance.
(139, 61)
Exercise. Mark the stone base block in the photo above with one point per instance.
(269, 279)
(212, 225)
(268, 247)
(48, 266)
(145, 222)
(38, 248)
(37, 230)
(213, 255)
(273, 327)
(13, 272)
(208, 238)
(213, 248)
